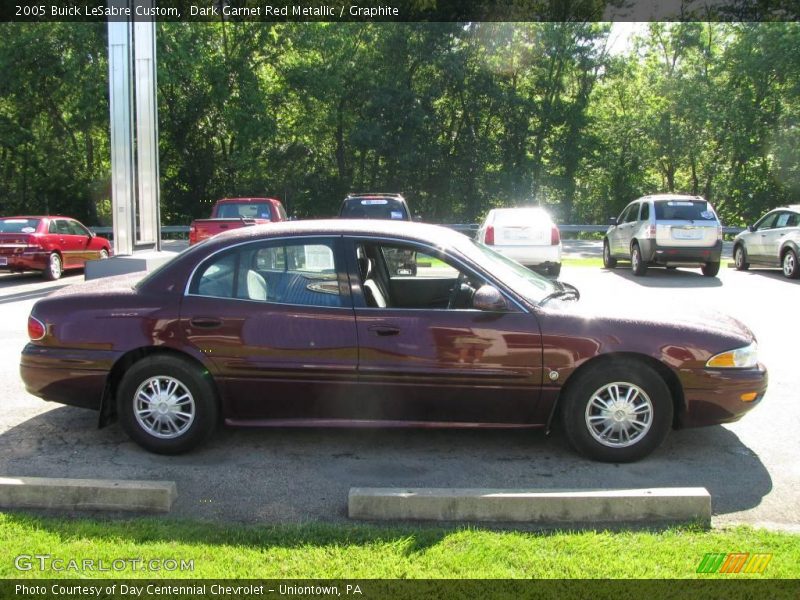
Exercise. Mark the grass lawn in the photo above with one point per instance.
(582, 262)
(366, 552)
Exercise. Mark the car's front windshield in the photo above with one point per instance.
(528, 284)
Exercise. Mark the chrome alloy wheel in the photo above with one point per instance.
(619, 414)
(789, 264)
(164, 407)
(55, 265)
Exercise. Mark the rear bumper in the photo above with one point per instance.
(26, 261)
(714, 396)
(665, 255)
(532, 256)
(72, 377)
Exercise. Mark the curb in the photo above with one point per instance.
(87, 494)
(533, 506)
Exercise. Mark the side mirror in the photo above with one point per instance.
(612, 221)
(751, 228)
(417, 218)
(489, 298)
(92, 234)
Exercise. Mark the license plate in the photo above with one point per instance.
(687, 234)
(3, 261)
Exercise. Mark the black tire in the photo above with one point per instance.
(54, 268)
(789, 265)
(554, 270)
(638, 266)
(710, 269)
(740, 258)
(154, 435)
(597, 381)
(609, 262)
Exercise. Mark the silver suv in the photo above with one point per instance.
(668, 230)
(774, 241)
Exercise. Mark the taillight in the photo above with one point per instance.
(192, 234)
(650, 232)
(489, 239)
(555, 236)
(36, 329)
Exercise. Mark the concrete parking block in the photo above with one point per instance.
(87, 494)
(531, 506)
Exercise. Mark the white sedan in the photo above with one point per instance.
(526, 235)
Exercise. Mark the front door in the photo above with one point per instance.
(426, 356)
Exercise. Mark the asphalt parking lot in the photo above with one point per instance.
(750, 467)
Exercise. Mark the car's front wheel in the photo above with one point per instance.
(617, 412)
(54, 267)
(740, 259)
(638, 266)
(166, 405)
(789, 264)
(609, 262)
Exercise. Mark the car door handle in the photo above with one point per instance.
(205, 322)
(384, 330)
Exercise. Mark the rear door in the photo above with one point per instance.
(70, 245)
(687, 223)
(276, 320)
(522, 228)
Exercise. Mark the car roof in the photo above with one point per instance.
(671, 197)
(376, 227)
(247, 199)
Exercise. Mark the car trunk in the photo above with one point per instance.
(686, 223)
(516, 233)
(13, 243)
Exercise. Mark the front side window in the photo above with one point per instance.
(767, 222)
(280, 272)
(404, 276)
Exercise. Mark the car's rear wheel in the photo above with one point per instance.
(789, 264)
(710, 269)
(166, 405)
(55, 267)
(740, 258)
(638, 266)
(609, 262)
(617, 412)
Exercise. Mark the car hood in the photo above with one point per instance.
(659, 317)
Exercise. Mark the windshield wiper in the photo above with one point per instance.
(564, 290)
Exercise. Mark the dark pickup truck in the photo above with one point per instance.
(232, 213)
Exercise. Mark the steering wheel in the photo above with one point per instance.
(455, 291)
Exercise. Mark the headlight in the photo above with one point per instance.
(740, 358)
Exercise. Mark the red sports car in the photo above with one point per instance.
(304, 323)
(48, 244)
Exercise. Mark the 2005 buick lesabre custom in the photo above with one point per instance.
(303, 324)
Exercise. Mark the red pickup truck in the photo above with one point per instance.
(232, 213)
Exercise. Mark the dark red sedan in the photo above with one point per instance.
(304, 324)
(48, 244)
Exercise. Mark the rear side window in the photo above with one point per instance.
(18, 225)
(684, 210)
(645, 213)
(286, 273)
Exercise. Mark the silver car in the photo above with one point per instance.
(668, 230)
(774, 241)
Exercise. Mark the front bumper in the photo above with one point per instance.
(714, 396)
(67, 376)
